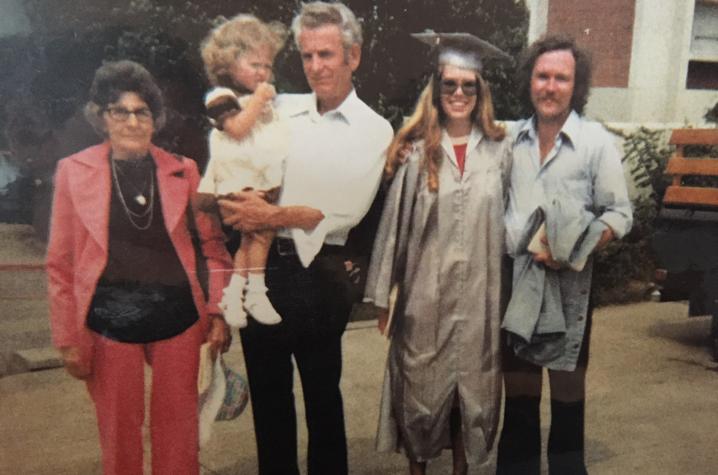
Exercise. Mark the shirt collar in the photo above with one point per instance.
(475, 137)
(570, 129)
(347, 110)
(527, 130)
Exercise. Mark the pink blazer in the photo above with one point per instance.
(77, 249)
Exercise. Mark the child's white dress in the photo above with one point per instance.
(256, 161)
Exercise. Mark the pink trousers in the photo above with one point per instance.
(117, 389)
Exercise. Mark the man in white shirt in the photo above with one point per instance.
(333, 170)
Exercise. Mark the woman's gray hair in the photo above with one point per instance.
(317, 14)
(115, 78)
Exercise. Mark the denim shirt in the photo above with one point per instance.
(584, 169)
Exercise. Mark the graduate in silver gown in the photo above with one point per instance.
(440, 243)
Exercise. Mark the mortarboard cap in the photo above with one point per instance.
(462, 50)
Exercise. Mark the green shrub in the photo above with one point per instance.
(625, 267)
(712, 114)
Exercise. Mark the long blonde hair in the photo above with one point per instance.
(426, 123)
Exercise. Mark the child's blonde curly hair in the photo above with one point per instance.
(235, 37)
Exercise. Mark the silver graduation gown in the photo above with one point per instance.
(445, 344)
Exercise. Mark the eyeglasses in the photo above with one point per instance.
(449, 87)
(120, 114)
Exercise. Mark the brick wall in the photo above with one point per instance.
(603, 27)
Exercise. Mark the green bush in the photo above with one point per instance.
(625, 267)
(712, 114)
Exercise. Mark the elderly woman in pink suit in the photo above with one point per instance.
(122, 277)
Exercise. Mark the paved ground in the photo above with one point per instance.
(652, 405)
(23, 303)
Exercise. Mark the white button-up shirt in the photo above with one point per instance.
(335, 164)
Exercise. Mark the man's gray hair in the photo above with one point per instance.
(317, 14)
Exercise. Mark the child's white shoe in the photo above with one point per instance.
(257, 304)
(233, 307)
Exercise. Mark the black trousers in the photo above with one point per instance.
(314, 310)
(519, 450)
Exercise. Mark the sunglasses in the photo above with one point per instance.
(447, 87)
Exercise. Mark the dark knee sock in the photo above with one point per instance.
(565, 443)
(519, 449)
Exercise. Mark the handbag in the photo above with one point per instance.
(223, 393)
(236, 394)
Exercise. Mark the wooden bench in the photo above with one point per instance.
(679, 166)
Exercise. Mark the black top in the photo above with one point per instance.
(143, 294)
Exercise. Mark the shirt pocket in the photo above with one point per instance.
(572, 183)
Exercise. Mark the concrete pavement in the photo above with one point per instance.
(652, 406)
(23, 298)
(652, 392)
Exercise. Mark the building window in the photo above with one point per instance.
(702, 75)
(703, 62)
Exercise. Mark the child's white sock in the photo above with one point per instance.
(257, 303)
(237, 282)
(232, 301)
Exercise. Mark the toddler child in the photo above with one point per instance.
(247, 147)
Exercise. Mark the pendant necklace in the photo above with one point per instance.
(139, 198)
(140, 193)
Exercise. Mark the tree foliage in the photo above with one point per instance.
(50, 71)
